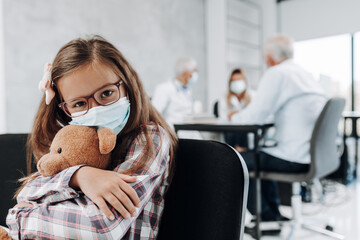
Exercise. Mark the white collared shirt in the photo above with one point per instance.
(235, 105)
(293, 97)
(173, 101)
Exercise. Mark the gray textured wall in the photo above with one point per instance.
(150, 33)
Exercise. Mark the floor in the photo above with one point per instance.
(340, 207)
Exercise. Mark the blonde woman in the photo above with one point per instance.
(237, 98)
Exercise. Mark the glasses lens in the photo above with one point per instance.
(107, 95)
(77, 107)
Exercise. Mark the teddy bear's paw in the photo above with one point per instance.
(52, 164)
(4, 235)
(44, 169)
(40, 169)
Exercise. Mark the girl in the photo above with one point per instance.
(91, 83)
(237, 98)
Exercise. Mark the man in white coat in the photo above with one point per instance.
(294, 99)
(173, 99)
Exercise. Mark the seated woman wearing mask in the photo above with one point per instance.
(237, 98)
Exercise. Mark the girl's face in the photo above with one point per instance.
(87, 80)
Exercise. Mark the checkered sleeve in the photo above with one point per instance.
(79, 218)
(50, 189)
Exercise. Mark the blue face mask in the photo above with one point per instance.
(194, 78)
(114, 116)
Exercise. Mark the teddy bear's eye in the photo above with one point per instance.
(59, 150)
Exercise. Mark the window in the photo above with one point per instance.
(329, 60)
(357, 71)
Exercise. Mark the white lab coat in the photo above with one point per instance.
(292, 96)
(173, 101)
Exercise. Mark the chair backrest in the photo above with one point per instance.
(216, 109)
(323, 150)
(13, 166)
(208, 194)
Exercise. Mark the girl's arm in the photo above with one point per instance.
(50, 189)
(58, 188)
(80, 218)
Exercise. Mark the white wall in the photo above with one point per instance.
(216, 48)
(306, 19)
(2, 76)
(151, 35)
(223, 20)
(270, 14)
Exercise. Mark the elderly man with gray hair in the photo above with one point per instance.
(173, 99)
(293, 98)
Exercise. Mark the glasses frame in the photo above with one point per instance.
(63, 107)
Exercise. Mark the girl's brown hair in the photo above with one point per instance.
(244, 95)
(50, 118)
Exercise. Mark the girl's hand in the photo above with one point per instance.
(24, 204)
(103, 187)
(231, 114)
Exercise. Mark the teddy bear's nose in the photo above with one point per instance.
(59, 150)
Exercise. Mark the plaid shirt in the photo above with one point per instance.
(60, 212)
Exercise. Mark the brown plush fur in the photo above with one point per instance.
(4, 235)
(75, 145)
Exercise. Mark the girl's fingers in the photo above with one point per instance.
(124, 199)
(127, 178)
(107, 187)
(104, 208)
(24, 204)
(119, 205)
(129, 191)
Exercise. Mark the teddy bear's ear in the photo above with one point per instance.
(107, 140)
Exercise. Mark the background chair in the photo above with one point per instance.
(13, 166)
(324, 160)
(216, 109)
(208, 194)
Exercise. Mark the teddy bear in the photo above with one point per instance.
(75, 145)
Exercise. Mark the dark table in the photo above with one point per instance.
(258, 130)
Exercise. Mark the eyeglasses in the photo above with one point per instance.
(104, 96)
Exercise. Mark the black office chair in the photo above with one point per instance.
(13, 166)
(324, 160)
(216, 109)
(207, 197)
